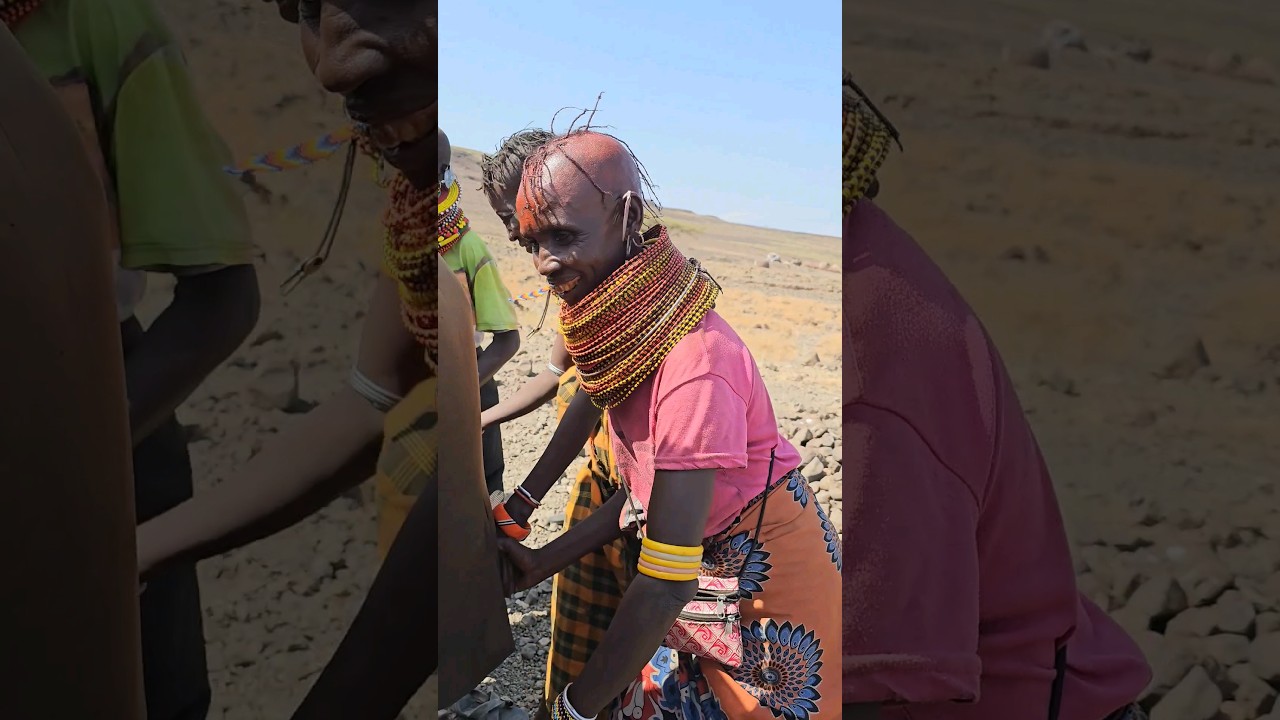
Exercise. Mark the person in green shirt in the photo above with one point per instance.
(120, 74)
(468, 257)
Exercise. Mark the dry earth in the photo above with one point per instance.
(1113, 214)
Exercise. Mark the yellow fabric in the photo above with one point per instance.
(408, 462)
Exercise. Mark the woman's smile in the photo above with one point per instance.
(404, 130)
(566, 287)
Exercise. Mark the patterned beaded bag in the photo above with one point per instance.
(710, 625)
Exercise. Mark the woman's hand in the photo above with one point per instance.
(522, 569)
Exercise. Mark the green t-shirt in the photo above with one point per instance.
(469, 258)
(176, 207)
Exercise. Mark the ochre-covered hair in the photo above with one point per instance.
(867, 135)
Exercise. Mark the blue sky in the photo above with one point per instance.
(734, 107)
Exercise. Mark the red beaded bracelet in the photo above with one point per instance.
(509, 526)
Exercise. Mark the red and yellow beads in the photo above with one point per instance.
(13, 12)
(410, 258)
(621, 332)
(453, 223)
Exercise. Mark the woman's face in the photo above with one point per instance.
(577, 234)
(380, 55)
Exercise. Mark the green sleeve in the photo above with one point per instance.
(177, 207)
(492, 301)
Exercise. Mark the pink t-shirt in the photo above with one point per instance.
(958, 579)
(706, 407)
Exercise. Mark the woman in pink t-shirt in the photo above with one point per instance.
(702, 463)
(959, 593)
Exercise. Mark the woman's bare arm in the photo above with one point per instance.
(677, 515)
(329, 450)
(534, 393)
(566, 442)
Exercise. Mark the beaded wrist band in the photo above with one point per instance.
(509, 526)
(561, 709)
(527, 496)
(555, 370)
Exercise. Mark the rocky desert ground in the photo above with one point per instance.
(1099, 179)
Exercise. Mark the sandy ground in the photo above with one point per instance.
(1112, 219)
(1114, 223)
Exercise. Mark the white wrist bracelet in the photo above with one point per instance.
(555, 370)
(573, 712)
(380, 398)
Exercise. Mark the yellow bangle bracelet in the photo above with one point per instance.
(665, 575)
(662, 562)
(686, 550)
(649, 564)
(667, 556)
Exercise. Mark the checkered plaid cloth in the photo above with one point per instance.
(585, 595)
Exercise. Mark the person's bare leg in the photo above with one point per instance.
(70, 619)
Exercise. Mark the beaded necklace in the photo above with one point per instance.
(621, 332)
(453, 223)
(867, 135)
(411, 258)
(13, 12)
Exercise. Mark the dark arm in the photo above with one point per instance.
(501, 349)
(599, 529)
(315, 458)
(678, 510)
(533, 393)
(210, 316)
(571, 434)
(862, 711)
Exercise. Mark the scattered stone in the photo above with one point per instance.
(266, 336)
(1227, 650)
(1036, 56)
(1170, 662)
(763, 264)
(1194, 622)
(1259, 70)
(1058, 35)
(812, 360)
(1187, 363)
(1221, 62)
(1250, 691)
(1060, 383)
(814, 470)
(1264, 657)
(1257, 561)
(1267, 623)
(276, 387)
(1233, 614)
(1136, 50)
(1205, 582)
(1196, 697)
(1158, 600)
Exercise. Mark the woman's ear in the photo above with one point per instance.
(633, 213)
